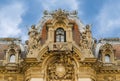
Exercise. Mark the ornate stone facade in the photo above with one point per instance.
(60, 48)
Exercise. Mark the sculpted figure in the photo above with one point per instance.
(34, 38)
(89, 36)
(83, 42)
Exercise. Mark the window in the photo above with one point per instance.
(107, 58)
(12, 58)
(60, 35)
(100, 55)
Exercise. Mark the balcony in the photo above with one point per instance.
(60, 46)
(12, 66)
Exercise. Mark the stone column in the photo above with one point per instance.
(16, 56)
(50, 33)
(7, 57)
(69, 34)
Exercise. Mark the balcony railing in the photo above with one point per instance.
(60, 46)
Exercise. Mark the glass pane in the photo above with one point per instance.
(12, 58)
(62, 38)
(60, 35)
(57, 38)
(107, 58)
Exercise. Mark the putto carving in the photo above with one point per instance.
(86, 41)
(59, 14)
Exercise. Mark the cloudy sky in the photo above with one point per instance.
(16, 16)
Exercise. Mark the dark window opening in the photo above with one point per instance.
(107, 58)
(12, 58)
(60, 35)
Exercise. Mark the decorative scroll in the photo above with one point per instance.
(61, 69)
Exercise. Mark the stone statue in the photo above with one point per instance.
(84, 41)
(89, 36)
(33, 31)
(34, 39)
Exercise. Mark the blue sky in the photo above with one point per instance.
(16, 16)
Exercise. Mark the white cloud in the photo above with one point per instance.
(10, 19)
(64, 4)
(108, 20)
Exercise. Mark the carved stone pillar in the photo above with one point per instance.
(69, 34)
(17, 56)
(50, 33)
(6, 59)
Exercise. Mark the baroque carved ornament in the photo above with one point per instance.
(61, 69)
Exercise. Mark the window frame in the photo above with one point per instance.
(60, 35)
(12, 56)
(107, 58)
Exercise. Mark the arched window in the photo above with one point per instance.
(107, 58)
(12, 58)
(60, 35)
